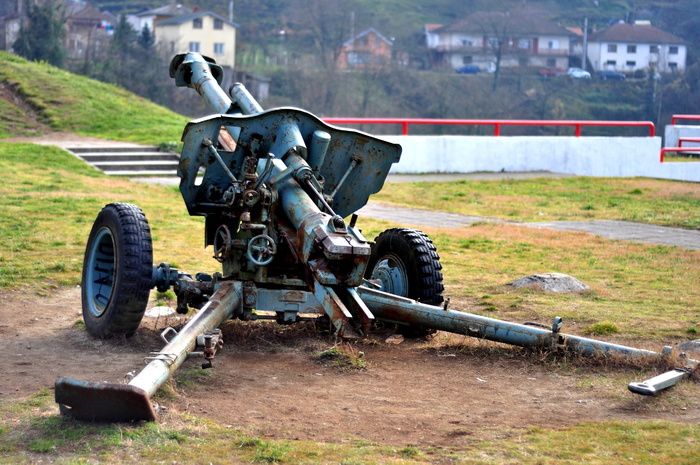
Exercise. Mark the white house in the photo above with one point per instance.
(640, 46)
(524, 40)
(149, 17)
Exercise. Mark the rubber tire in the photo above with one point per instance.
(420, 265)
(117, 271)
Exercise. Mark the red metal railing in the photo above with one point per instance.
(675, 118)
(687, 139)
(680, 148)
(496, 123)
(676, 149)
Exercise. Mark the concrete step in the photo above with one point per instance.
(148, 173)
(93, 157)
(129, 160)
(142, 165)
(114, 148)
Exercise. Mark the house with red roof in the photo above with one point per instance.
(368, 49)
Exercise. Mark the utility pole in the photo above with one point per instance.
(351, 53)
(585, 43)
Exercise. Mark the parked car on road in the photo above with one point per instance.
(578, 73)
(469, 69)
(609, 75)
(551, 71)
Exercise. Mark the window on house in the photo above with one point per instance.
(194, 47)
(359, 58)
(524, 44)
(673, 66)
(492, 42)
(218, 49)
(467, 42)
(218, 24)
(612, 48)
(631, 49)
(673, 50)
(611, 63)
(360, 42)
(467, 59)
(197, 23)
(653, 49)
(553, 44)
(551, 62)
(631, 64)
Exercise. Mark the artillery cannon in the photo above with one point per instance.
(275, 188)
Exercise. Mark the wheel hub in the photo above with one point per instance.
(391, 271)
(100, 272)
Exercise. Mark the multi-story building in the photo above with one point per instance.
(88, 32)
(479, 39)
(629, 47)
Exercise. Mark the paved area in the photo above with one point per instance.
(628, 231)
(485, 176)
(418, 217)
(611, 229)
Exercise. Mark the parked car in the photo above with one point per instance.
(469, 69)
(551, 71)
(609, 75)
(578, 73)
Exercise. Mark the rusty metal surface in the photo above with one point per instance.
(277, 131)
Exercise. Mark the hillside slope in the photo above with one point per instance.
(36, 98)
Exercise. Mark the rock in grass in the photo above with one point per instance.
(689, 346)
(551, 282)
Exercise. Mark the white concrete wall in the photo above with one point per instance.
(583, 156)
(673, 133)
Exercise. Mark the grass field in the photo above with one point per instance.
(68, 102)
(640, 293)
(30, 432)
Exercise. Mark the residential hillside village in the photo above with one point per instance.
(533, 41)
(480, 39)
(522, 45)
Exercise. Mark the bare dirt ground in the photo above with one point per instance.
(268, 379)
